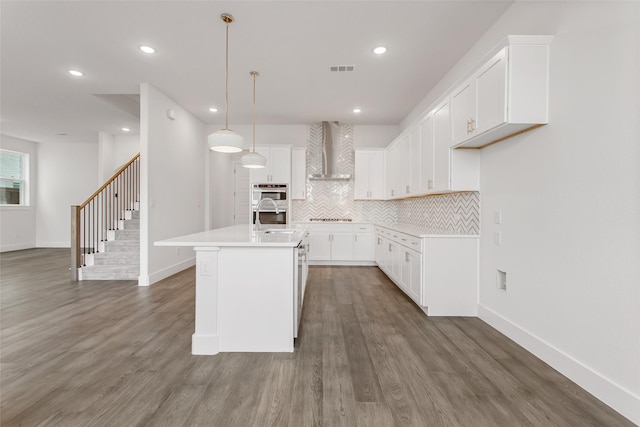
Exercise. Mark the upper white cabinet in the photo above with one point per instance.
(369, 175)
(393, 171)
(278, 167)
(421, 161)
(298, 173)
(508, 94)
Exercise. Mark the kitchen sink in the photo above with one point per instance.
(279, 231)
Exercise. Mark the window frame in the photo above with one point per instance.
(24, 180)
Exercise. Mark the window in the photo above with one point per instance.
(14, 176)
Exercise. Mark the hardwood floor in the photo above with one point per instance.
(113, 354)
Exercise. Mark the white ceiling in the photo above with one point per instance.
(292, 44)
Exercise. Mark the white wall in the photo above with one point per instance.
(365, 136)
(18, 223)
(67, 175)
(173, 154)
(106, 149)
(126, 146)
(570, 201)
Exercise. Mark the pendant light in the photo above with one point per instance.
(254, 160)
(225, 140)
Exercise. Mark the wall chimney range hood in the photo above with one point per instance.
(330, 170)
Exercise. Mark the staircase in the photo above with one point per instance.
(105, 229)
(117, 258)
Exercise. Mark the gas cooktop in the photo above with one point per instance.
(331, 219)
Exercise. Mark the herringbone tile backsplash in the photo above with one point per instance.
(456, 212)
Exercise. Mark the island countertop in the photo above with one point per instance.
(243, 235)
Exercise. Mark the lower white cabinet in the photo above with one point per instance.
(339, 243)
(438, 272)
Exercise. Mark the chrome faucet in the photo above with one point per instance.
(257, 210)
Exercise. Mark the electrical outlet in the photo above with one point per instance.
(497, 236)
(205, 268)
(497, 217)
(501, 280)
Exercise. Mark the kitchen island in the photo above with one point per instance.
(249, 287)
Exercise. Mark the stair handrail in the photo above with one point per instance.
(107, 208)
(110, 180)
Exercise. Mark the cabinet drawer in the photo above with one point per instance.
(332, 228)
(362, 228)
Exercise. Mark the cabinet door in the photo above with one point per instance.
(426, 154)
(441, 148)
(410, 272)
(404, 163)
(280, 169)
(376, 175)
(379, 249)
(298, 173)
(463, 112)
(394, 177)
(361, 178)
(262, 175)
(342, 246)
(363, 246)
(319, 246)
(395, 256)
(491, 93)
(414, 161)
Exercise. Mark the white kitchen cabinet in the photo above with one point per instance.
(438, 272)
(411, 273)
(363, 242)
(341, 244)
(426, 154)
(369, 183)
(298, 187)
(330, 242)
(278, 167)
(413, 165)
(319, 245)
(404, 165)
(393, 171)
(507, 95)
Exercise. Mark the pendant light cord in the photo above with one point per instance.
(226, 83)
(254, 74)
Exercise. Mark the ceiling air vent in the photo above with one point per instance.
(340, 68)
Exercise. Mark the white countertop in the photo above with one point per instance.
(242, 235)
(417, 231)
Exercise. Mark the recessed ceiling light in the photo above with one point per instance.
(147, 49)
(213, 109)
(76, 73)
(379, 50)
(357, 110)
(126, 129)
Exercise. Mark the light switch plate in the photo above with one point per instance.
(497, 217)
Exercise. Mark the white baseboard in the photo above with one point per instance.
(59, 244)
(345, 263)
(204, 344)
(619, 398)
(16, 247)
(150, 279)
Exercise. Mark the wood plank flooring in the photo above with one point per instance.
(113, 354)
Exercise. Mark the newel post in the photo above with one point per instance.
(75, 242)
